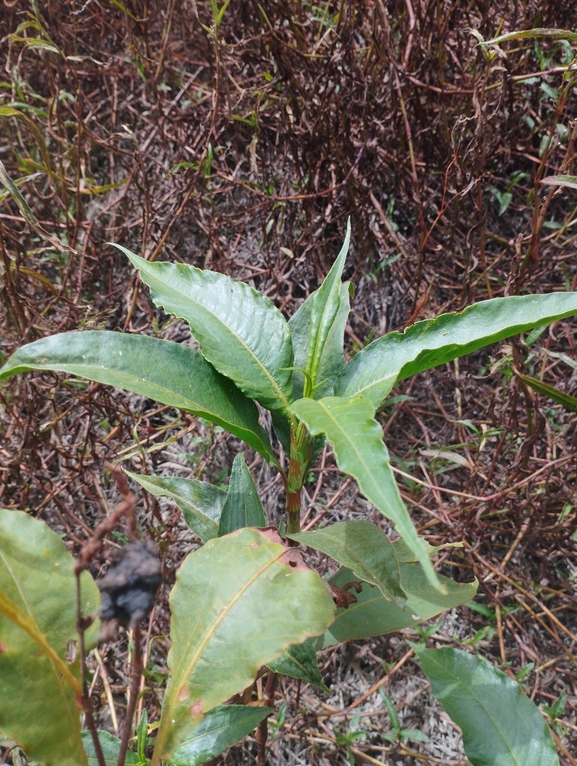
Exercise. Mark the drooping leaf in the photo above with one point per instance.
(201, 503)
(222, 727)
(39, 688)
(501, 727)
(359, 449)
(300, 661)
(110, 749)
(238, 603)
(242, 507)
(363, 548)
(311, 327)
(238, 329)
(565, 400)
(168, 372)
(396, 356)
(374, 615)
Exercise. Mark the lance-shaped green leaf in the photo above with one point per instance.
(242, 507)
(300, 661)
(201, 503)
(238, 329)
(501, 727)
(316, 349)
(565, 400)
(168, 372)
(396, 356)
(110, 749)
(357, 441)
(363, 548)
(374, 615)
(238, 603)
(223, 727)
(39, 689)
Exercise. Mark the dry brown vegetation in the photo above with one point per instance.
(243, 148)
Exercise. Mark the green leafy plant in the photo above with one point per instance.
(397, 733)
(245, 603)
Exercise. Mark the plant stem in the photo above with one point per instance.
(262, 731)
(298, 461)
(293, 505)
(86, 703)
(133, 694)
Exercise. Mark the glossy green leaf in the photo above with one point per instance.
(565, 400)
(501, 727)
(238, 329)
(110, 749)
(222, 727)
(374, 615)
(37, 622)
(396, 356)
(168, 372)
(357, 441)
(242, 507)
(201, 503)
(363, 548)
(316, 349)
(300, 661)
(238, 603)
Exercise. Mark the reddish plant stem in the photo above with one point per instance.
(133, 695)
(86, 703)
(262, 731)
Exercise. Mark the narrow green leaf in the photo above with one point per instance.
(568, 181)
(501, 727)
(533, 34)
(300, 661)
(359, 449)
(110, 749)
(37, 622)
(311, 325)
(238, 603)
(363, 548)
(242, 507)
(222, 727)
(168, 372)
(396, 356)
(374, 615)
(566, 400)
(238, 329)
(14, 192)
(201, 503)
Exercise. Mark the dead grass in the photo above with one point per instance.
(244, 150)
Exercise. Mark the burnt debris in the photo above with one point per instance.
(129, 587)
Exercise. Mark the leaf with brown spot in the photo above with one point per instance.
(39, 689)
(237, 604)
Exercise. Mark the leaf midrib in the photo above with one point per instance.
(28, 610)
(274, 385)
(482, 704)
(189, 666)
